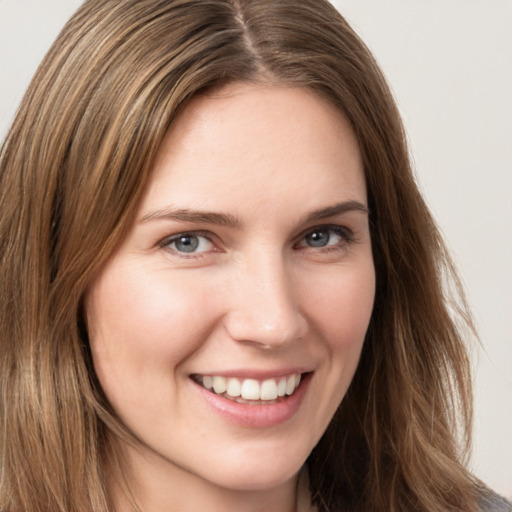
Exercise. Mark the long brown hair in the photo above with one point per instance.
(72, 170)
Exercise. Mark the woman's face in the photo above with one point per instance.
(248, 266)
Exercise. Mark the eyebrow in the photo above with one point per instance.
(187, 215)
(335, 210)
(221, 219)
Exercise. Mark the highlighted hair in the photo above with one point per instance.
(72, 171)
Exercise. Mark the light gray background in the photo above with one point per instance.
(450, 66)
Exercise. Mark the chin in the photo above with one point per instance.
(258, 471)
(252, 479)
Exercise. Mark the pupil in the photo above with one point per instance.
(187, 243)
(318, 239)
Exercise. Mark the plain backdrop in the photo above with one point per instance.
(449, 63)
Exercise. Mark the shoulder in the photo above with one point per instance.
(491, 502)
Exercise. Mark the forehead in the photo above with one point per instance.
(256, 144)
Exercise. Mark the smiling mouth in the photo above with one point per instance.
(251, 391)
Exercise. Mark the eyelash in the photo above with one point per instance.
(346, 235)
(166, 242)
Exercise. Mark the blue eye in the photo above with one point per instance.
(324, 237)
(189, 243)
(318, 238)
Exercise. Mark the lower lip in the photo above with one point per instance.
(257, 416)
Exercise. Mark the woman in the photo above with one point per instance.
(219, 277)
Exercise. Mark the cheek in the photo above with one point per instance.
(342, 303)
(140, 321)
(341, 313)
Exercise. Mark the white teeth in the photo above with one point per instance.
(219, 385)
(290, 384)
(268, 390)
(208, 382)
(281, 387)
(251, 389)
(234, 387)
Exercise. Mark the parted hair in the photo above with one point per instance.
(73, 168)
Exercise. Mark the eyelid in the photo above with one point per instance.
(346, 233)
(165, 243)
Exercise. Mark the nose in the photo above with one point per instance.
(263, 308)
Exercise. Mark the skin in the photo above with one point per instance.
(257, 295)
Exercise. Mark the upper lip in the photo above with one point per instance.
(253, 373)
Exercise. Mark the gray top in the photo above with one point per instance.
(491, 502)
